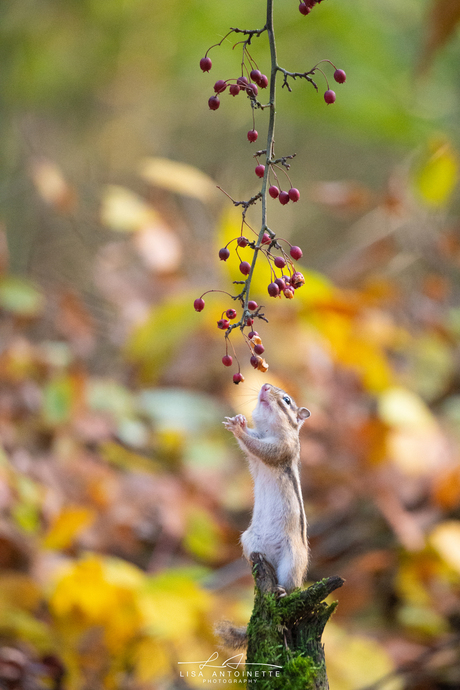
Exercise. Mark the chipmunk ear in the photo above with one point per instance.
(303, 414)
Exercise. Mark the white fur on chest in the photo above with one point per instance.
(277, 512)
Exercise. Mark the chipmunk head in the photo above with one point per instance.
(275, 408)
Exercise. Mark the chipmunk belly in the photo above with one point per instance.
(278, 522)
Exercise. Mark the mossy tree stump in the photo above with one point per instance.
(286, 632)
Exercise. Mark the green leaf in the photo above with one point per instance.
(202, 537)
(106, 395)
(181, 410)
(57, 400)
(158, 340)
(20, 297)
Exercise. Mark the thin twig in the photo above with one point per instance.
(295, 75)
(283, 160)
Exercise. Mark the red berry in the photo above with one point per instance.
(259, 349)
(254, 361)
(255, 75)
(252, 306)
(273, 290)
(260, 170)
(294, 194)
(252, 89)
(227, 360)
(284, 198)
(280, 262)
(263, 81)
(287, 279)
(297, 280)
(249, 321)
(252, 135)
(281, 284)
(329, 96)
(303, 9)
(223, 324)
(266, 239)
(199, 304)
(234, 89)
(242, 242)
(288, 293)
(274, 191)
(238, 378)
(214, 103)
(296, 253)
(340, 76)
(231, 313)
(245, 268)
(224, 254)
(220, 86)
(205, 64)
(252, 334)
(242, 81)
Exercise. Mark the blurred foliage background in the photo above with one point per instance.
(121, 496)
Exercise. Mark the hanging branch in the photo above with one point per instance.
(289, 279)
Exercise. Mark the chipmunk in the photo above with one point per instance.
(278, 528)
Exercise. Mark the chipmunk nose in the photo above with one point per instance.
(263, 391)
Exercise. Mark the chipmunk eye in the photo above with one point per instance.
(287, 399)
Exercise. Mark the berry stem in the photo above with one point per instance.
(269, 153)
(220, 42)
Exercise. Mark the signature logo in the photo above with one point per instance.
(233, 662)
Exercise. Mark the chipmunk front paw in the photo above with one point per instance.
(235, 424)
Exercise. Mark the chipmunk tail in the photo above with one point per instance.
(230, 636)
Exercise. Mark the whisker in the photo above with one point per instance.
(247, 402)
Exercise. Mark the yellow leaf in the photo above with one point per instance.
(125, 211)
(411, 579)
(67, 526)
(97, 592)
(155, 342)
(422, 619)
(127, 459)
(354, 661)
(174, 606)
(438, 175)
(317, 287)
(350, 347)
(18, 590)
(202, 536)
(178, 177)
(445, 539)
(401, 408)
(151, 660)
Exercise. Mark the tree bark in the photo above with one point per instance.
(284, 633)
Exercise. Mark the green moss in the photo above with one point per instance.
(287, 632)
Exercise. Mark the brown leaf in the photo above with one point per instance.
(342, 195)
(75, 322)
(4, 255)
(443, 17)
(52, 186)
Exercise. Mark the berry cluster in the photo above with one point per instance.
(249, 84)
(285, 279)
(286, 283)
(235, 85)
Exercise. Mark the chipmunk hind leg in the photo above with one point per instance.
(291, 570)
